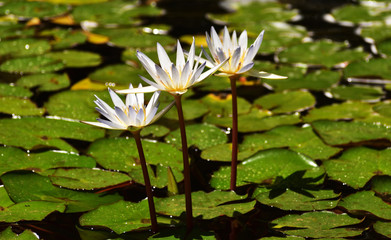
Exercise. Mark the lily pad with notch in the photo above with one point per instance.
(44, 82)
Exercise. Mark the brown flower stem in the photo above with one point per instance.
(234, 160)
(186, 165)
(148, 188)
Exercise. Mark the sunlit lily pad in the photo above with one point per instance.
(319, 225)
(159, 176)
(118, 74)
(286, 102)
(19, 106)
(87, 178)
(358, 165)
(377, 67)
(384, 228)
(24, 187)
(7, 90)
(262, 166)
(383, 108)
(385, 48)
(292, 200)
(44, 82)
(64, 38)
(44, 132)
(27, 9)
(214, 83)
(35, 64)
(357, 92)
(358, 14)
(10, 235)
(121, 154)
(5, 200)
(200, 135)
(155, 131)
(302, 140)
(192, 109)
(345, 110)
(362, 203)
(12, 159)
(223, 153)
(207, 205)
(23, 47)
(221, 106)
(381, 184)
(318, 80)
(76, 58)
(336, 133)
(324, 53)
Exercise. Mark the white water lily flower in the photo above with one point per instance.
(241, 57)
(170, 77)
(131, 114)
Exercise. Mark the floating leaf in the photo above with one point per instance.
(263, 166)
(337, 133)
(19, 106)
(76, 58)
(200, 135)
(23, 47)
(5, 200)
(118, 74)
(207, 205)
(223, 152)
(381, 185)
(345, 110)
(358, 165)
(383, 108)
(155, 130)
(121, 154)
(299, 139)
(384, 228)
(317, 80)
(159, 176)
(219, 106)
(16, 159)
(323, 52)
(292, 200)
(192, 109)
(25, 235)
(364, 93)
(45, 82)
(385, 48)
(359, 14)
(23, 9)
(319, 225)
(7, 90)
(25, 187)
(87, 178)
(64, 38)
(286, 102)
(35, 64)
(361, 203)
(214, 83)
(377, 67)
(40, 132)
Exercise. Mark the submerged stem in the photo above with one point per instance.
(148, 188)
(186, 165)
(234, 160)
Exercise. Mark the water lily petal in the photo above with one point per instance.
(99, 124)
(124, 119)
(243, 40)
(180, 58)
(138, 90)
(111, 125)
(245, 68)
(147, 63)
(235, 59)
(261, 74)
(162, 112)
(164, 60)
(211, 71)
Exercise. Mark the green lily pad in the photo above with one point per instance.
(385, 48)
(319, 225)
(159, 176)
(317, 80)
(25, 235)
(16, 159)
(381, 185)
(192, 109)
(30, 211)
(5, 200)
(76, 104)
(35, 64)
(24, 47)
(362, 203)
(180, 232)
(223, 153)
(135, 38)
(14, 29)
(383, 108)
(221, 106)
(337, 111)
(25, 9)
(377, 67)
(263, 166)
(19, 106)
(45, 82)
(87, 178)
(292, 200)
(337, 133)
(200, 135)
(155, 131)
(7, 90)
(358, 165)
(118, 74)
(286, 102)
(358, 14)
(325, 53)
(286, 238)
(76, 58)
(121, 154)
(64, 38)
(25, 187)
(214, 83)
(44, 132)
(383, 228)
(364, 93)
(207, 205)
(114, 12)
(378, 32)
(300, 139)
(124, 216)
